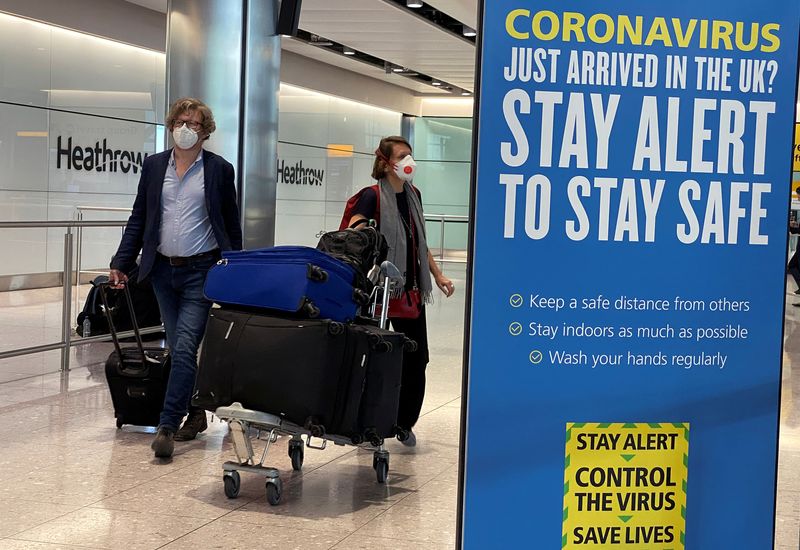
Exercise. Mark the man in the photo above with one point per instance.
(184, 214)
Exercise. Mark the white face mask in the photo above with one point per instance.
(406, 168)
(185, 138)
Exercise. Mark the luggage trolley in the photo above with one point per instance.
(243, 421)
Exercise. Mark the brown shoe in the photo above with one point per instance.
(194, 424)
(163, 444)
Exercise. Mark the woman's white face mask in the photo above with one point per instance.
(184, 137)
(406, 168)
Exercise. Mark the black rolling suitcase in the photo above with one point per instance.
(328, 377)
(309, 372)
(380, 398)
(137, 376)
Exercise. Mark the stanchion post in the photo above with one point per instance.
(66, 302)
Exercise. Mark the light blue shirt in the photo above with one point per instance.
(185, 227)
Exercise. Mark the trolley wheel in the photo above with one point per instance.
(119, 423)
(274, 491)
(296, 453)
(233, 482)
(381, 469)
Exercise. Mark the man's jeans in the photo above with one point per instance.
(184, 310)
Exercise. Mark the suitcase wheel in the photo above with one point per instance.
(335, 329)
(383, 347)
(317, 430)
(360, 297)
(311, 311)
(402, 434)
(409, 345)
(233, 483)
(316, 273)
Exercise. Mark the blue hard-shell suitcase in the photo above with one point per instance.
(294, 280)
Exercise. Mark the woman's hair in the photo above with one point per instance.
(384, 152)
(188, 104)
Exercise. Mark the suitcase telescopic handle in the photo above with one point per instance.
(112, 328)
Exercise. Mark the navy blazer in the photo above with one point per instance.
(144, 225)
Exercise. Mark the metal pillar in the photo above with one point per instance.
(226, 53)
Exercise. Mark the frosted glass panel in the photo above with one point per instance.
(89, 154)
(311, 118)
(443, 149)
(23, 148)
(325, 155)
(25, 49)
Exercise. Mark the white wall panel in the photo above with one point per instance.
(23, 148)
(117, 149)
(23, 250)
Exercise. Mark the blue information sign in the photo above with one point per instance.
(630, 238)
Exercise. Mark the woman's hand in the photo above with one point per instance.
(445, 285)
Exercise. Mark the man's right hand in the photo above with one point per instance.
(117, 278)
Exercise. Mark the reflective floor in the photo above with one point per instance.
(69, 479)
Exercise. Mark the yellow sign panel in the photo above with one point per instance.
(625, 486)
(796, 148)
(340, 150)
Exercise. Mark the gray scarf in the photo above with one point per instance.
(393, 229)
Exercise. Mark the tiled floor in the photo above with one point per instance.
(69, 479)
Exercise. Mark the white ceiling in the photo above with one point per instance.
(391, 33)
(387, 32)
(326, 56)
(465, 11)
(157, 5)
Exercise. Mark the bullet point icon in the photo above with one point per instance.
(536, 357)
(516, 300)
(515, 329)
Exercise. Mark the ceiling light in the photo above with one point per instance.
(348, 51)
(398, 69)
(414, 3)
(465, 93)
(436, 83)
(468, 31)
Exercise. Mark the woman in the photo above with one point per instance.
(397, 207)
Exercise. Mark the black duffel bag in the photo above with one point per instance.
(363, 248)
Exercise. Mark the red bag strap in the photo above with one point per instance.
(353, 201)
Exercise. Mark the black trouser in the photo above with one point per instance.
(412, 392)
(793, 268)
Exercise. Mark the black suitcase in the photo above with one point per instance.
(302, 370)
(92, 320)
(326, 376)
(380, 400)
(137, 376)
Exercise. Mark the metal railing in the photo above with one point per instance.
(443, 219)
(67, 342)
